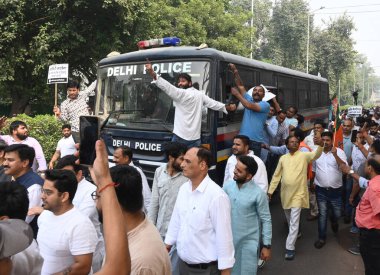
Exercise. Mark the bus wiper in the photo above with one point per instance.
(165, 124)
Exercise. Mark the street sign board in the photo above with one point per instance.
(58, 73)
(354, 111)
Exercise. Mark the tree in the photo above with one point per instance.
(332, 51)
(287, 34)
(36, 34)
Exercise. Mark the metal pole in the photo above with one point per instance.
(307, 43)
(251, 29)
(363, 85)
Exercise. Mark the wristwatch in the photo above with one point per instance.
(351, 172)
(267, 246)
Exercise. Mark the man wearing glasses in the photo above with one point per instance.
(66, 237)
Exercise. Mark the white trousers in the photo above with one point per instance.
(293, 217)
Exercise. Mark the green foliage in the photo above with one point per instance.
(45, 128)
(287, 35)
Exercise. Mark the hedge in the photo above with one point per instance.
(45, 128)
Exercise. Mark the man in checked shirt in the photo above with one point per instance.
(74, 106)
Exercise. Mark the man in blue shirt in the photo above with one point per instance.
(255, 113)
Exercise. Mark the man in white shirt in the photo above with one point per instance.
(14, 205)
(201, 222)
(328, 181)
(189, 103)
(319, 126)
(19, 134)
(86, 205)
(67, 238)
(123, 156)
(240, 147)
(65, 146)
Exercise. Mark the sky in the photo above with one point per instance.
(366, 17)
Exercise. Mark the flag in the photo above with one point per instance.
(338, 130)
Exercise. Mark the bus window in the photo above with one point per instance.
(303, 94)
(266, 78)
(314, 92)
(286, 87)
(134, 103)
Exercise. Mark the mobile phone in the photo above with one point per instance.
(89, 130)
(353, 135)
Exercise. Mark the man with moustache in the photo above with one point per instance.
(240, 147)
(65, 146)
(17, 163)
(328, 186)
(201, 221)
(292, 172)
(255, 112)
(19, 135)
(249, 213)
(189, 103)
(66, 237)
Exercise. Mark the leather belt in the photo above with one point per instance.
(203, 265)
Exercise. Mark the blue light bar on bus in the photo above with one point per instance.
(161, 42)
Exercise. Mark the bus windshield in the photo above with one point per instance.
(129, 99)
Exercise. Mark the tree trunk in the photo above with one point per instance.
(20, 102)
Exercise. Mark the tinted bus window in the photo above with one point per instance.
(303, 94)
(286, 87)
(315, 97)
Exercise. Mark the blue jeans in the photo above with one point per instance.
(348, 188)
(328, 198)
(188, 143)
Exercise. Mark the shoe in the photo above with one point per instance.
(261, 263)
(299, 235)
(335, 227)
(290, 254)
(312, 218)
(354, 250)
(347, 219)
(319, 244)
(354, 230)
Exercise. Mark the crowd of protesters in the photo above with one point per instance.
(186, 223)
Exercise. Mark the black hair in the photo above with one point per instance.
(320, 122)
(126, 151)
(72, 84)
(282, 112)
(250, 163)
(175, 149)
(15, 124)
(328, 134)
(3, 145)
(205, 155)
(289, 137)
(243, 138)
(374, 164)
(129, 189)
(66, 126)
(294, 108)
(376, 146)
(298, 133)
(300, 119)
(69, 160)
(64, 181)
(24, 152)
(14, 200)
(185, 76)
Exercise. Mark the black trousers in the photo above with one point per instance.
(370, 250)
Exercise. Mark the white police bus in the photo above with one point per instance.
(141, 116)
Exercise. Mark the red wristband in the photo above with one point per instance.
(107, 185)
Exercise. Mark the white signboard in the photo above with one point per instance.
(355, 111)
(58, 73)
